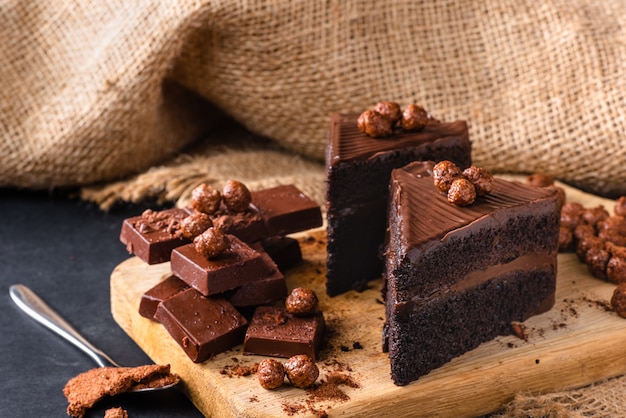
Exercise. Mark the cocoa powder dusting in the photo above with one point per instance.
(238, 370)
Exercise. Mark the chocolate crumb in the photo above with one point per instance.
(519, 329)
(115, 413)
(237, 370)
(292, 409)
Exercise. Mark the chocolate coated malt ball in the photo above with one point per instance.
(205, 198)
(301, 371)
(540, 180)
(391, 110)
(194, 225)
(444, 173)
(211, 243)
(462, 192)
(236, 196)
(480, 178)
(374, 124)
(618, 300)
(271, 373)
(414, 118)
(620, 206)
(301, 301)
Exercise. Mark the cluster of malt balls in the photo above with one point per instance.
(461, 186)
(380, 121)
(598, 239)
(300, 369)
(208, 238)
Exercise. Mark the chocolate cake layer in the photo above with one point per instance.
(455, 276)
(357, 180)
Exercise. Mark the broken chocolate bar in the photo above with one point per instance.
(275, 332)
(202, 326)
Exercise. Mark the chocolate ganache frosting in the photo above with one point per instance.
(425, 220)
(355, 145)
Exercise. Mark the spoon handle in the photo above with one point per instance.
(40, 311)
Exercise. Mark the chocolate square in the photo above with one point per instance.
(154, 234)
(275, 332)
(202, 326)
(286, 210)
(237, 265)
(259, 292)
(163, 290)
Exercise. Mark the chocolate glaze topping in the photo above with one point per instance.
(355, 145)
(421, 197)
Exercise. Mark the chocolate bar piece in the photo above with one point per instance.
(275, 332)
(202, 326)
(248, 226)
(259, 292)
(276, 211)
(285, 210)
(154, 234)
(285, 251)
(163, 290)
(237, 265)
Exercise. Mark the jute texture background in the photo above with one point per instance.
(91, 91)
(123, 98)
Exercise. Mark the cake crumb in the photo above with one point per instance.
(84, 390)
(115, 413)
(519, 330)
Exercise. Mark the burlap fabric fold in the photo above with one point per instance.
(91, 91)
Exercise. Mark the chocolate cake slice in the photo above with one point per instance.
(456, 276)
(357, 179)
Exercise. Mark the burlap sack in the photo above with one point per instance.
(91, 90)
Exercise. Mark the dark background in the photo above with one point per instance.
(65, 250)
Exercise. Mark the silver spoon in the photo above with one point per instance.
(40, 311)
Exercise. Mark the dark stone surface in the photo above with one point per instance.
(64, 250)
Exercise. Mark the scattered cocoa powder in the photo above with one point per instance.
(115, 413)
(293, 408)
(238, 370)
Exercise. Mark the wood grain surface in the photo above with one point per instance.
(578, 342)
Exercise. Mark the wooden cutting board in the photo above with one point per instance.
(578, 342)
